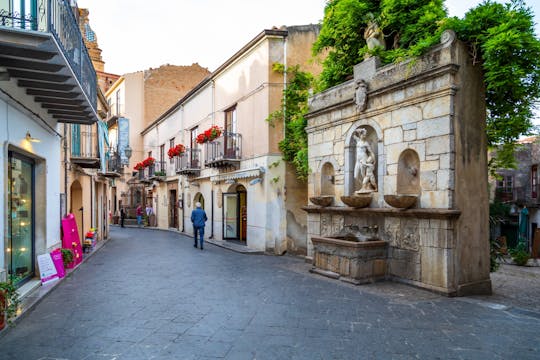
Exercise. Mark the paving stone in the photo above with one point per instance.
(148, 295)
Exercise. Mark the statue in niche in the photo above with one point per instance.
(364, 169)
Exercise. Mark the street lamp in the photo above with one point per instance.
(127, 153)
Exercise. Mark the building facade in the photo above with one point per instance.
(236, 172)
(134, 99)
(46, 79)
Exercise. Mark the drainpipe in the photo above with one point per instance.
(65, 167)
(92, 220)
(212, 214)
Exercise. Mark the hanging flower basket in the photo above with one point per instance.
(176, 151)
(149, 161)
(139, 167)
(209, 135)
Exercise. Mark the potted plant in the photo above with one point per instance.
(519, 254)
(67, 257)
(9, 302)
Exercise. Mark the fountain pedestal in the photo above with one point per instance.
(351, 261)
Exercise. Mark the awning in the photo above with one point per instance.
(239, 174)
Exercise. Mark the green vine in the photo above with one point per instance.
(501, 39)
(293, 109)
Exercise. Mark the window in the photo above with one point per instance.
(193, 137)
(161, 166)
(171, 145)
(534, 181)
(230, 141)
(505, 184)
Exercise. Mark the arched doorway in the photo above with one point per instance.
(76, 205)
(235, 213)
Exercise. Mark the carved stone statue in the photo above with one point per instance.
(360, 95)
(373, 35)
(364, 169)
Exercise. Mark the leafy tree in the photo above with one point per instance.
(294, 107)
(500, 36)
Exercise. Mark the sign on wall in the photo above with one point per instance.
(123, 139)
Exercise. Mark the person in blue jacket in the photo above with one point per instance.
(198, 218)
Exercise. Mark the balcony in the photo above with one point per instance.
(156, 171)
(84, 149)
(42, 51)
(114, 167)
(224, 151)
(189, 163)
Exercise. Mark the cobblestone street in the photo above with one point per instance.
(150, 294)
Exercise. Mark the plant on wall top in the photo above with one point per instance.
(500, 37)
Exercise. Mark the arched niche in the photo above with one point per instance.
(327, 179)
(372, 136)
(198, 198)
(408, 176)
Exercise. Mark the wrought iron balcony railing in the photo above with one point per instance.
(42, 69)
(189, 162)
(226, 150)
(84, 148)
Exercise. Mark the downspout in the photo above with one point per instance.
(65, 167)
(212, 214)
(92, 218)
(212, 191)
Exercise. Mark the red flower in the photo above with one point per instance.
(139, 166)
(176, 151)
(201, 139)
(149, 161)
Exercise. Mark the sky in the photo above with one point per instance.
(134, 36)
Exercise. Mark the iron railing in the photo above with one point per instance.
(84, 145)
(189, 161)
(226, 147)
(57, 18)
(114, 163)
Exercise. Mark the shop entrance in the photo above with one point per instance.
(235, 214)
(20, 247)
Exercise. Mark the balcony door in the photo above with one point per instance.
(230, 133)
(75, 140)
(20, 246)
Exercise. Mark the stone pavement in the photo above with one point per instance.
(149, 294)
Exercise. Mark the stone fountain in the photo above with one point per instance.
(402, 151)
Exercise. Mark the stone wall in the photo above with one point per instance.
(429, 112)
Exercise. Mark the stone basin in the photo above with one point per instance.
(357, 201)
(401, 201)
(322, 200)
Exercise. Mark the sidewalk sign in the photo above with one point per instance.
(47, 270)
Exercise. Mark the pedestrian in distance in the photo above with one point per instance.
(149, 213)
(139, 215)
(198, 219)
(122, 216)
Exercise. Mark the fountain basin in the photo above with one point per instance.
(322, 200)
(401, 201)
(357, 201)
(351, 261)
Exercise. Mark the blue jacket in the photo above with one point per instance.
(198, 217)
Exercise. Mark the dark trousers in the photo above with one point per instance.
(199, 230)
(122, 221)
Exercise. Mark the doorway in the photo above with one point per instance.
(76, 206)
(20, 246)
(173, 209)
(235, 214)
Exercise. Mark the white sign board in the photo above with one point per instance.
(47, 270)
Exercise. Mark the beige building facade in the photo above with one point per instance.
(249, 193)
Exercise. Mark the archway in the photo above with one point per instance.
(76, 205)
(235, 213)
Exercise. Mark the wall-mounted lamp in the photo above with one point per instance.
(30, 138)
(255, 181)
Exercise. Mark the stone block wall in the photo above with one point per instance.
(432, 109)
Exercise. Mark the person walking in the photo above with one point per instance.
(198, 218)
(122, 216)
(139, 215)
(149, 213)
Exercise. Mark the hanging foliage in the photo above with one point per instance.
(500, 36)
